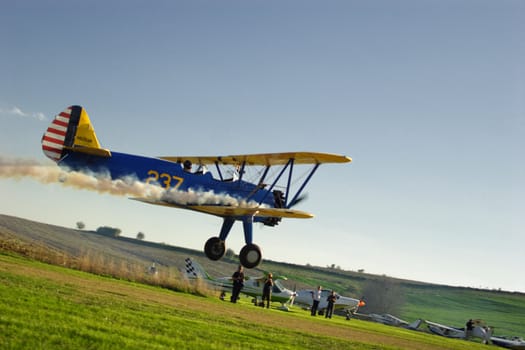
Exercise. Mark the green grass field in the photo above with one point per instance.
(50, 307)
(128, 258)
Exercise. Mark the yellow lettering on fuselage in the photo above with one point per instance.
(165, 180)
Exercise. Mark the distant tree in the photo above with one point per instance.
(140, 236)
(230, 253)
(361, 270)
(383, 296)
(109, 231)
(80, 225)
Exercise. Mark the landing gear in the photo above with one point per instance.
(214, 248)
(250, 256)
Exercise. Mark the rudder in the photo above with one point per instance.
(71, 130)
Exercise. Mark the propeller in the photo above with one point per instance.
(294, 294)
(298, 200)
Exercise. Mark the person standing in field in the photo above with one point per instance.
(267, 290)
(238, 283)
(469, 327)
(331, 303)
(316, 297)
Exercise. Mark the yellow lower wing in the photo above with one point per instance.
(234, 211)
(262, 212)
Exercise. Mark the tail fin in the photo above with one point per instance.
(71, 130)
(193, 270)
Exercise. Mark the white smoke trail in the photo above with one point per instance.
(102, 183)
(20, 168)
(17, 112)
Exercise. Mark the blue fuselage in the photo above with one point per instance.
(166, 174)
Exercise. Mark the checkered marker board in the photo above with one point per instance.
(190, 269)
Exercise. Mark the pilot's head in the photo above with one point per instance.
(187, 165)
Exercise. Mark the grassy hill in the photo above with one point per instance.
(412, 300)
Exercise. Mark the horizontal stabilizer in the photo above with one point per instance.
(226, 211)
(101, 152)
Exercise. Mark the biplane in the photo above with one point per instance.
(196, 183)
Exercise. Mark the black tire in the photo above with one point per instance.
(214, 248)
(250, 256)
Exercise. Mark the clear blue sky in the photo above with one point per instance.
(427, 97)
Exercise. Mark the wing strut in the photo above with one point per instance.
(295, 198)
(290, 161)
(227, 225)
(247, 224)
(261, 180)
(290, 173)
(219, 170)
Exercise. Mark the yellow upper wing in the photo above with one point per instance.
(266, 158)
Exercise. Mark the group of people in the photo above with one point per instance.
(316, 298)
(238, 284)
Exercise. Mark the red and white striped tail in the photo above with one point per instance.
(54, 138)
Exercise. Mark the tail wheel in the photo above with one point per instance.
(214, 248)
(250, 256)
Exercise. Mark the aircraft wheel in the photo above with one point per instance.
(250, 256)
(214, 248)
